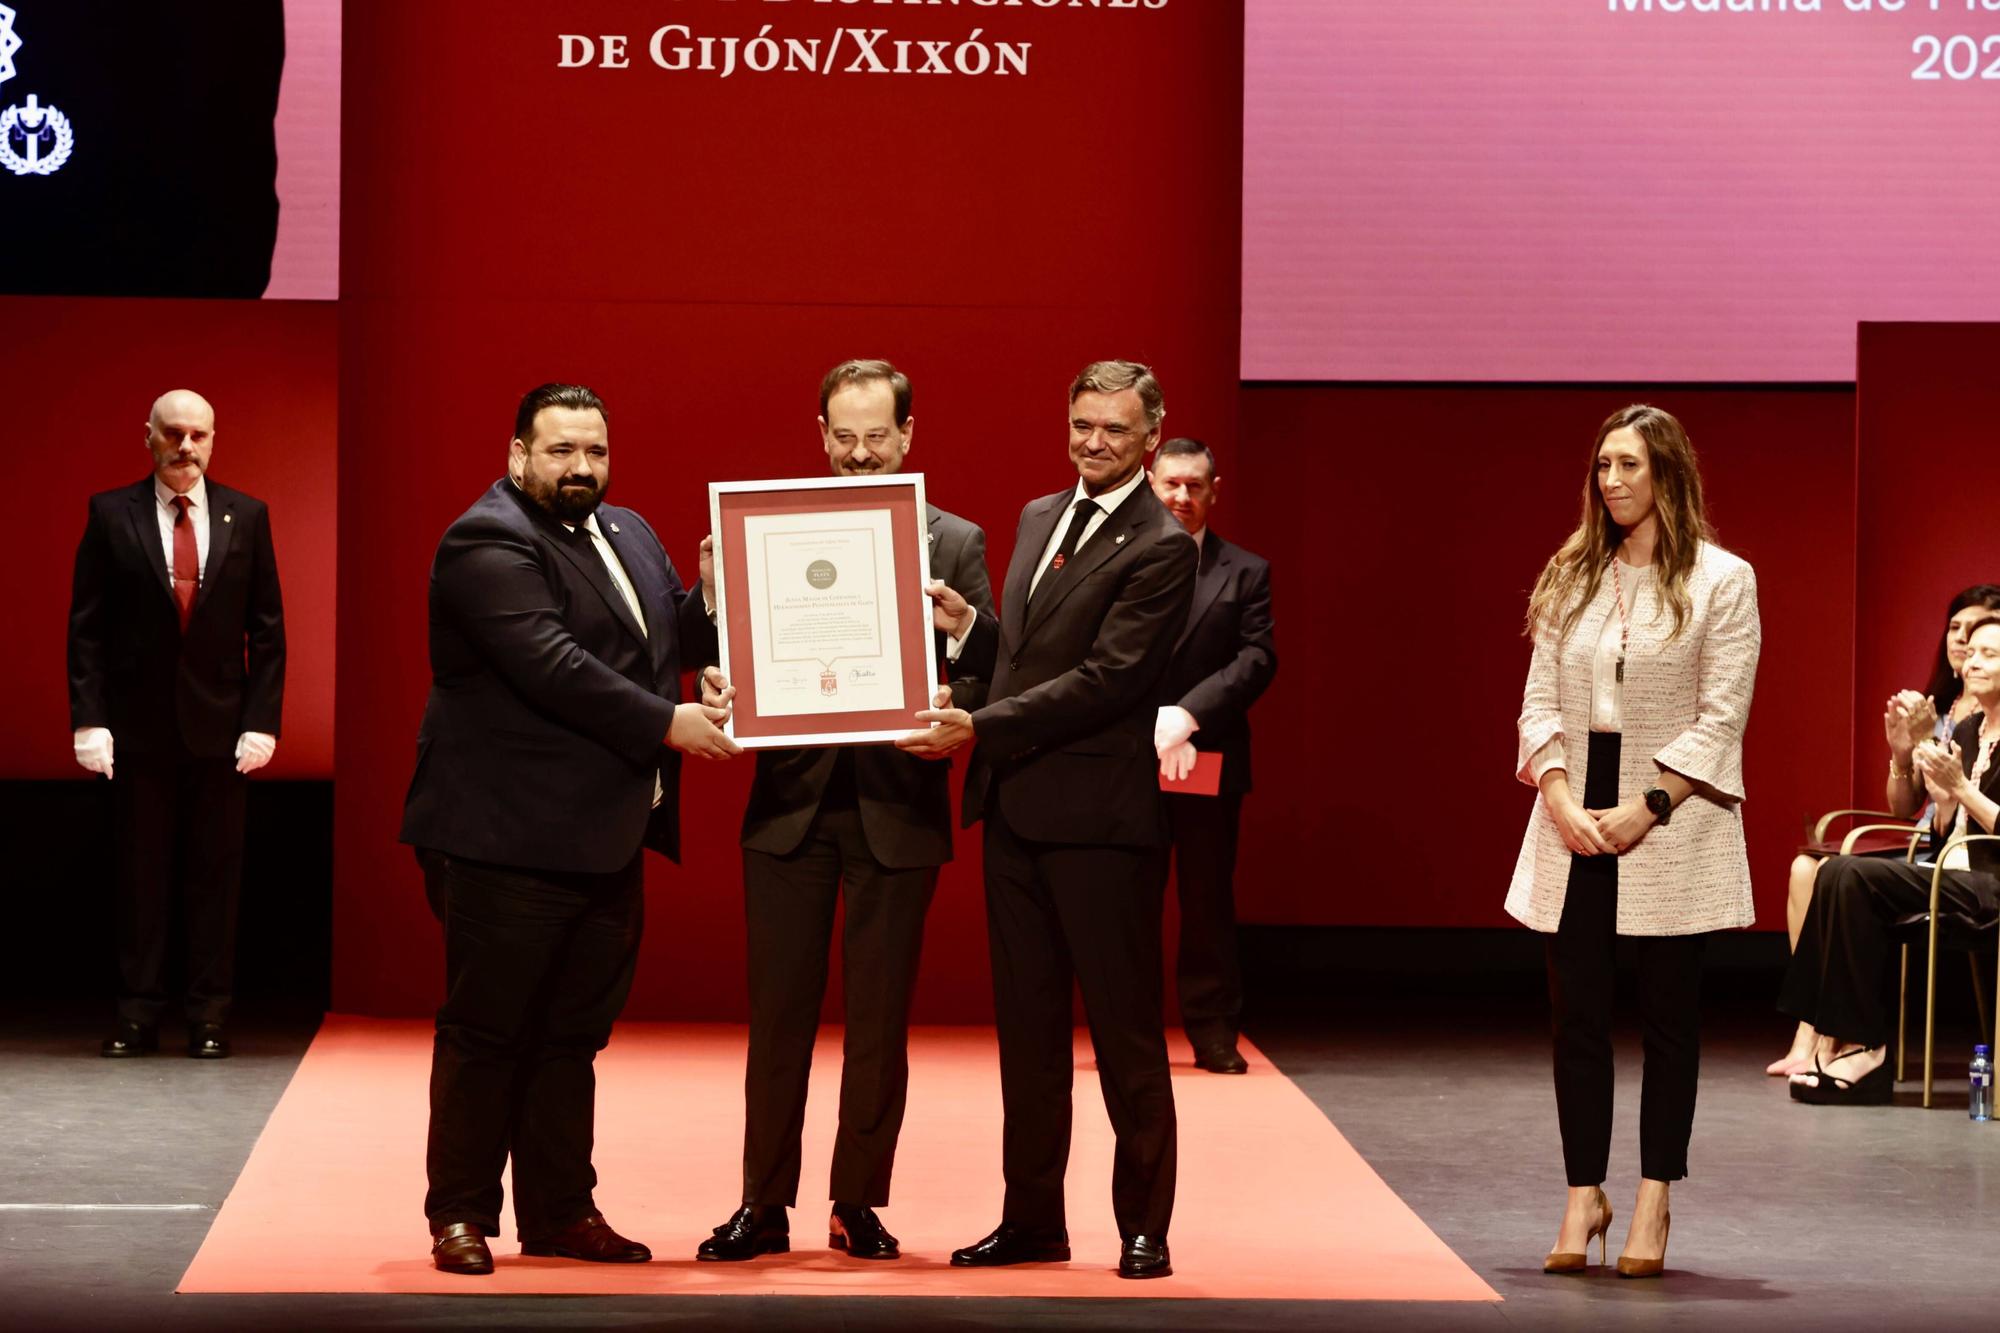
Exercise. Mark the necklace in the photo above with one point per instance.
(1624, 624)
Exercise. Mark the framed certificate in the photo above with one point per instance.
(821, 609)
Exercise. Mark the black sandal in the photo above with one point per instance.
(1877, 1087)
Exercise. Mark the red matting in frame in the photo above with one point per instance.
(731, 503)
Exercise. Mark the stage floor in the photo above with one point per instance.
(1831, 1219)
(338, 1170)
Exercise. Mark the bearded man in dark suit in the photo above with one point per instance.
(549, 756)
(1065, 779)
(866, 824)
(1223, 662)
(176, 684)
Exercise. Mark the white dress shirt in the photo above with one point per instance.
(619, 578)
(167, 511)
(623, 582)
(1106, 504)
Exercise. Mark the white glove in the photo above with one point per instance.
(1174, 725)
(254, 750)
(93, 749)
(1177, 761)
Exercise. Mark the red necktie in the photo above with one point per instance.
(187, 562)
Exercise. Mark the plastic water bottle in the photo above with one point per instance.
(1981, 1100)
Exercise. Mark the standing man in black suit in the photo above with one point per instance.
(1065, 778)
(1223, 661)
(176, 657)
(548, 757)
(866, 823)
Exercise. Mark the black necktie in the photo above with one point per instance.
(1079, 519)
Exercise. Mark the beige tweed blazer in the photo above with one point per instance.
(1685, 704)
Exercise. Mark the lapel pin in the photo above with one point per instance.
(1119, 540)
(614, 527)
(227, 517)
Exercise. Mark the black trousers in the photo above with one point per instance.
(537, 966)
(176, 813)
(1582, 990)
(1208, 977)
(1839, 974)
(788, 904)
(1058, 915)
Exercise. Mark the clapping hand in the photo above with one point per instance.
(1943, 770)
(1909, 719)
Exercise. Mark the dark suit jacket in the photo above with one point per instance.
(130, 667)
(905, 802)
(1065, 738)
(549, 709)
(1225, 657)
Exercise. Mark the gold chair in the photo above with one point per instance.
(1930, 970)
(1826, 821)
(1915, 833)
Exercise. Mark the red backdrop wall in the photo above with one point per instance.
(1405, 526)
(88, 371)
(700, 249)
(1928, 401)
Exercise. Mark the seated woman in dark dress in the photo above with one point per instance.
(1836, 980)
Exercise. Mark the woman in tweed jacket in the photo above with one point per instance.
(1645, 650)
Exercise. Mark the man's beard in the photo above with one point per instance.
(568, 501)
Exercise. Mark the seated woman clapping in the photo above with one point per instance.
(1836, 979)
(1908, 719)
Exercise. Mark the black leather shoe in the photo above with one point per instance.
(206, 1041)
(591, 1239)
(1145, 1256)
(1009, 1244)
(1221, 1058)
(460, 1248)
(130, 1039)
(754, 1229)
(855, 1228)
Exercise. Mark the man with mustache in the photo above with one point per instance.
(548, 757)
(176, 673)
(861, 824)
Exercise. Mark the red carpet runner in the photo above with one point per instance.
(1273, 1203)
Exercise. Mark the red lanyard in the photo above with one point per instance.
(1624, 625)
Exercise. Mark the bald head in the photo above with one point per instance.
(180, 433)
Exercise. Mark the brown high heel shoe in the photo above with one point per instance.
(1630, 1267)
(1567, 1261)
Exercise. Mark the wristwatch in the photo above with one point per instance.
(1661, 804)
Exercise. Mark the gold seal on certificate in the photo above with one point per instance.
(820, 606)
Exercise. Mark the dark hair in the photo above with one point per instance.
(867, 372)
(553, 395)
(1183, 447)
(1945, 684)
